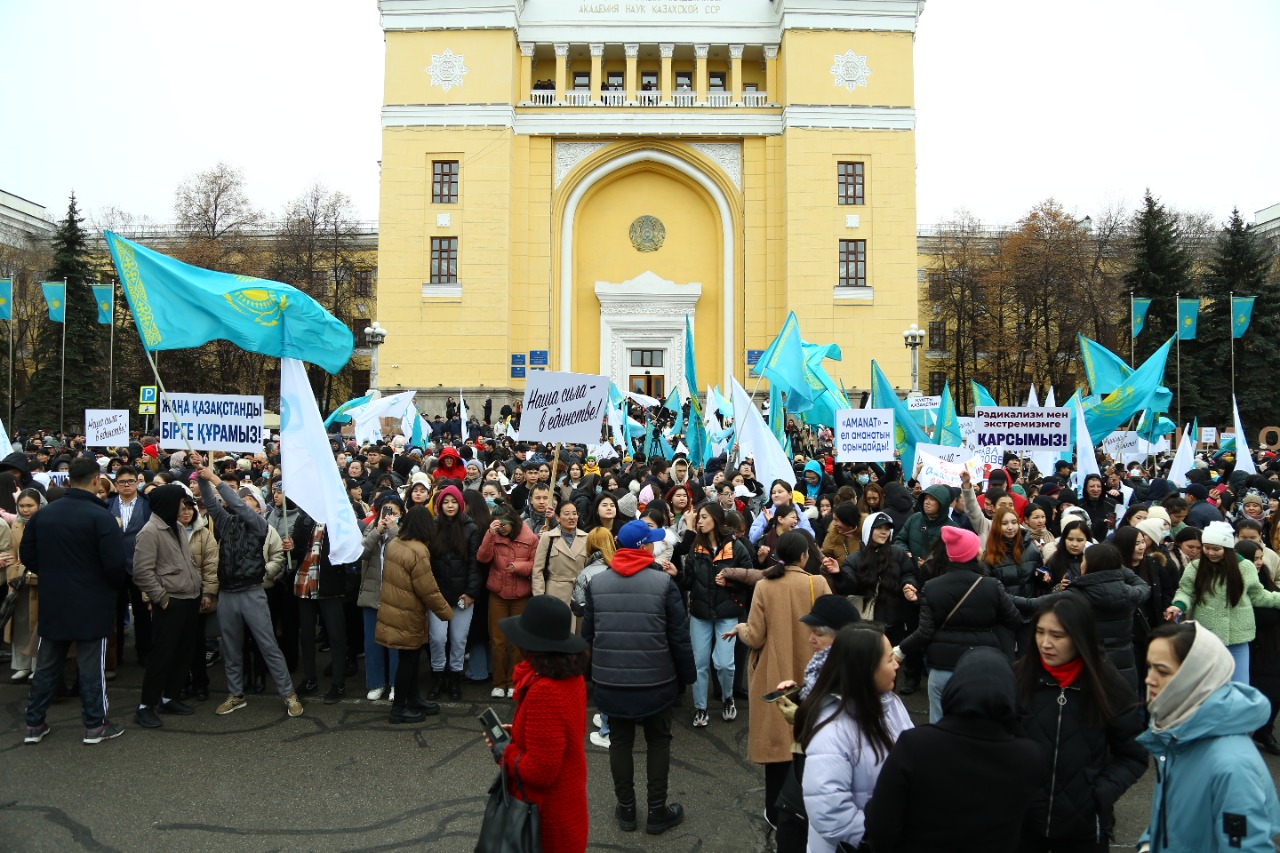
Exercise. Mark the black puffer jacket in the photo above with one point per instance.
(1114, 596)
(333, 580)
(457, 575)
(707, 599)
(1019, 576)
(1092, 767)
(972, 624)
(859, 576)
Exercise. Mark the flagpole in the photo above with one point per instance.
(62, 394)
(1132, 319)
(1177, 326)
(111, 351)
(1231, 331)
(164, 397)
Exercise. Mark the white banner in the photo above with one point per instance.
(1023, 430)
(969, 438)
(864, 435)
(942, 466)
(917, 403)
(1208, 435)
(211, 422)
(563, 407)
(106, 427)
(1127, 446)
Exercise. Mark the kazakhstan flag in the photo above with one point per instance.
(947, 431)
(1140, 308)
(104, 295)
(6, 299)
(177, 306)
(55, 294)
(1188, 314)
(981, 396)
(1241, 314)
(783, 365)
(1103, 369)
(906, 434)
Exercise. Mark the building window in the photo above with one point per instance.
(851, 184)
(582, 81)
(750, 87)
(715, 81)
(646, 358)
(444, 260)
(937, 379)
(937, 335)
(853, 263)
(937, 286)
(613, 81)
(648, 81)
(444, 182)
(320, 282)
(357, 329)
(364, 282)
(684, 81)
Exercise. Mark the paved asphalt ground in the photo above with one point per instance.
(341, 778)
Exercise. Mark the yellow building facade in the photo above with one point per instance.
(563, 181)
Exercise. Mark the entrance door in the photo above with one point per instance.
(647, 375)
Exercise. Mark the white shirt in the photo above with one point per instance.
(126, 512)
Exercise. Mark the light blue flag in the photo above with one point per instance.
(1070, 406)
(906, 434)
(421, 431)
(783, 364)
(105, 296)
(1241, 314)
(1195, 430)
(981, 396)
(672, 403)
(340, 416)
(1188, 314)
(1135, 394)
(664, 448)
(177, 306)
(615, 396)
(777, 415)
(828, 397)
(691, 370)
(6, 299)
(722, 405)
(55, 296)
(634, 428)
(1140, 308)
(947, 432)
(1103, 369)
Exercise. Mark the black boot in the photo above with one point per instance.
(426, 709)
(437, 685)
(402, 713)
(626, 815)
(455, 686)
(663, 816)
(1266, 742)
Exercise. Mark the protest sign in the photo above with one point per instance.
(942, 466)
(864, 435)
(1127, 446)
(211, 422)
(917, 403)
(1208, 435)
(106, 427)
(969, 439)
(1023, 430)
(563, 407)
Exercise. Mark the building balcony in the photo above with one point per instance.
(716, 100)
(577, 99)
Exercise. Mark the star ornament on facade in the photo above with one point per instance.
(446, 69)
(850, 70)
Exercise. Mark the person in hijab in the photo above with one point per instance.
(164, 571)
(1213, 791)
(976, 740)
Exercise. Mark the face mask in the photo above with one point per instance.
(489, 502)
(863, 479)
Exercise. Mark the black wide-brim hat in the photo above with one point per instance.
(544, 626)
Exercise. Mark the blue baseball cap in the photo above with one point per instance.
(635, 534)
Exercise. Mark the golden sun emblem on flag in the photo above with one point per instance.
(1116, 401)
(262, 305)
(1186, 321)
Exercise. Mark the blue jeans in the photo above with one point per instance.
(938, 679)
(455, 630)
(379, 661)
(1240, 654)
(478, 662)
(708, 648)
(604, 725)
(91, 660)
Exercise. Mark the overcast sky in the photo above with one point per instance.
(1089, 102)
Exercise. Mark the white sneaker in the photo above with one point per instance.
(600, 740)
(391, 697)
(497, 693)
(20, 675)
(375, 694)
(511, 693)
(596, 721)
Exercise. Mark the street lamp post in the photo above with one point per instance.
(376, 336)
(913, 339)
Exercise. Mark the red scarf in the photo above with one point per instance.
(1067, 673)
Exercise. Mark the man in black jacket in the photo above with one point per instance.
(76, 549)
(641, 653)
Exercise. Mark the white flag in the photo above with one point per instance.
(462, 415)
(1086, 461)
(6, 447)
(1244, 459)
(755, 440)
(311, 480)
(1048, 401)
(1033, 402)
(368, 418)
(1183, 460)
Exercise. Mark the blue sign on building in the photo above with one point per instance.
(539, 357)
(517, 372)
(517, 358)
(753, 356)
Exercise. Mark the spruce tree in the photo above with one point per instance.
(86, 341)
(1241, 265)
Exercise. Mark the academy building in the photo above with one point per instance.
(563, 181)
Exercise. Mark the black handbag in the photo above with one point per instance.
(511, 824)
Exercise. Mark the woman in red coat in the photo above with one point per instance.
(550, 724)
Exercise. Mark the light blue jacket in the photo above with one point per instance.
(1211, 780)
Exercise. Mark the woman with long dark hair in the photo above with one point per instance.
(457, 573)
(1115, 595)
(846, 727)
(604, 513)
(1009, 555)
(1063, 566)
(877, 572)
(409, 590)
(780, 494)
(1219, 591)
(1078, 707)
(780, 651)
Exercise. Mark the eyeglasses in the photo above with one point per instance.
(126, 482)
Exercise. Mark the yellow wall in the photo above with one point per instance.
(492, 57)
(806, 58)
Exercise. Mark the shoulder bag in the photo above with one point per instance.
(960, 602)
(511, 824)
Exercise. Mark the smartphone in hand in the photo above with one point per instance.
(492, 727)
(775, 695)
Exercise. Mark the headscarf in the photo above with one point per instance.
(1207, 667)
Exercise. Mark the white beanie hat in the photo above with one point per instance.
(1219, 533)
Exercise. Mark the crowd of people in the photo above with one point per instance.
(1064, 627)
